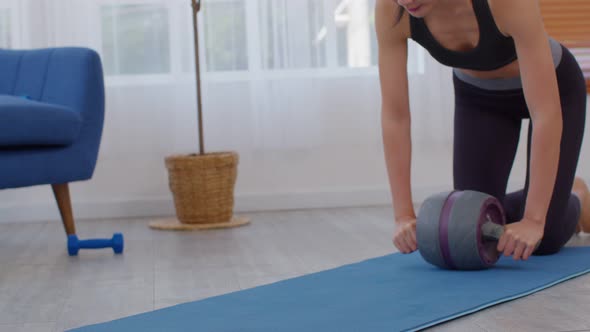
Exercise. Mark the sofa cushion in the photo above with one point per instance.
(28, 122)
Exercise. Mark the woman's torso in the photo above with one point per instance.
(463, 36)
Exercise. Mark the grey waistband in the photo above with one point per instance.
(507, 83)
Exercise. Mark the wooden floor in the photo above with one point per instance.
(43, 289)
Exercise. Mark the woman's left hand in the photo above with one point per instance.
(520, 238)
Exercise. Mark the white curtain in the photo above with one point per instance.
(292, 86)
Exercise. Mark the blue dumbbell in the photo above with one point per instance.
(74, 244)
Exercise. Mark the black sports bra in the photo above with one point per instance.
(493, 50)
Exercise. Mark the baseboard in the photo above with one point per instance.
(96, 210)
(245, 202)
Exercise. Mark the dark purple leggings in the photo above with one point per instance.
(486, 133)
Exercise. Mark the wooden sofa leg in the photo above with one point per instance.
(62, 196)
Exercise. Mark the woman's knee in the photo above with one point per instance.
(551, 244)
(547, 250)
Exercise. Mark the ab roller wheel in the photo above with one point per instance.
(116, 242)
(460, 230)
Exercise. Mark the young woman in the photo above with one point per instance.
(505, 69)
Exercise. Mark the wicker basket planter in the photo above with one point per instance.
(203, 186)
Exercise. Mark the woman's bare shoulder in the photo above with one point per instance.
(386, 16)
(508, 13)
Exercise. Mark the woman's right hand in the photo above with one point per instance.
(404, 237)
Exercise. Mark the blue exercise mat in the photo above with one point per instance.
(389, 293)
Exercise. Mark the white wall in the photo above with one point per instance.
(131, 179)
(333, 157)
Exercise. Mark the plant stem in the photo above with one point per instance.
(196, 7)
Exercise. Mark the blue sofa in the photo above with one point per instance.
(51, 119)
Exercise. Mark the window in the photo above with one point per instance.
(245, 36)
(5, 28)
(357, 40)
(129, 33)
(226, 41)
(567, 21)
(305, 34)
(292, 34)
(317, 34)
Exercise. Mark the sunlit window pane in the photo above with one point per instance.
(135, 39)
(292, 34)
(355, 30)
(226, 41)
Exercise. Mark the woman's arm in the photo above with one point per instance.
(395, 115)
(522, 20)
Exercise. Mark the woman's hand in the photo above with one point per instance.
(520, 238)
(404, 237)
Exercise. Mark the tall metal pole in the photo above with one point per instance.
(196, 7)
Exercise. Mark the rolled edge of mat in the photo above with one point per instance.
(498, 301)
